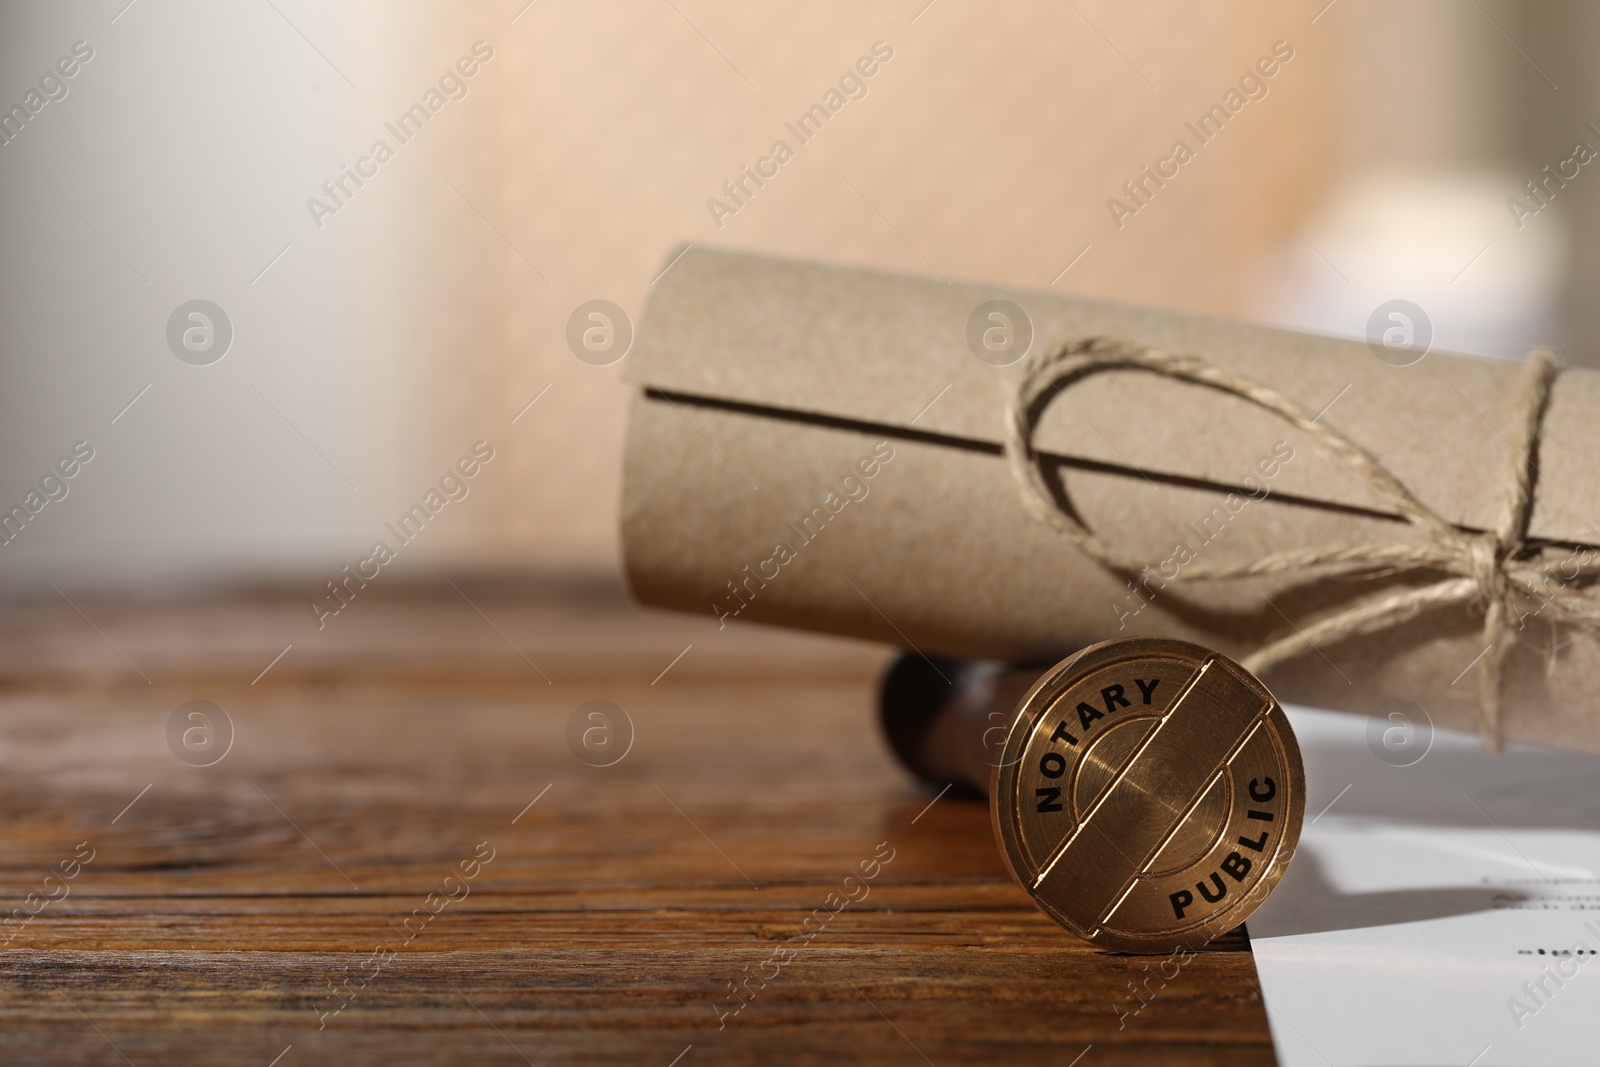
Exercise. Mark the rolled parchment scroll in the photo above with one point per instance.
(823, 448)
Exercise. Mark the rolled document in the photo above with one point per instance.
(837, 450)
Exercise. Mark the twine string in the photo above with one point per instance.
(1492, 571)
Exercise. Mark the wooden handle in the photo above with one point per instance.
(946, 719)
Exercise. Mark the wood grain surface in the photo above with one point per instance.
(595, 914)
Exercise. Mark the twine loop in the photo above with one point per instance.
(1494, 572)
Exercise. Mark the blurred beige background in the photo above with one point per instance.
(371, 351)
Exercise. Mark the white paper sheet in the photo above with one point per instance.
(1441, 912)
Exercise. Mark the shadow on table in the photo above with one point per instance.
(1306, 902)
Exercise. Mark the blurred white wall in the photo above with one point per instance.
(177, 167)
(1444, 112)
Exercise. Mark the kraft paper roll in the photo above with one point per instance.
(819, 447)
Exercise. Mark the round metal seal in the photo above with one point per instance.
(1150, 794)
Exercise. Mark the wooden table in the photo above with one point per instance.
(423, 731)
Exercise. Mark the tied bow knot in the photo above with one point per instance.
(1493, 572)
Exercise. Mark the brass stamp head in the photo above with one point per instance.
(1149, 795)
